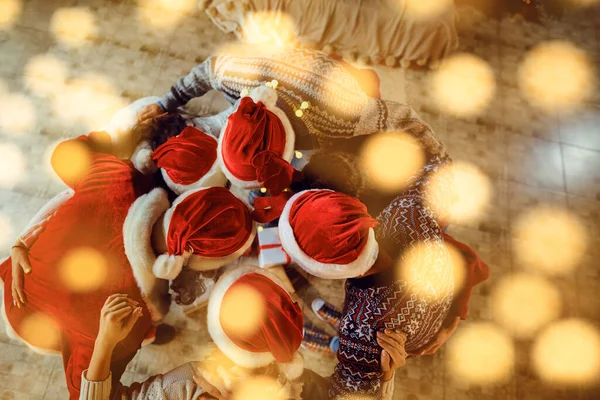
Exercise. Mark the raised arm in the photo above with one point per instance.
(195, 84)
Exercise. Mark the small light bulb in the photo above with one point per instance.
(274, 83)
(304, 105)
(298, 154)
(263, 190)
(299, 113)
(260, 229)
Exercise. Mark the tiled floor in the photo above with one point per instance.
(530, 157)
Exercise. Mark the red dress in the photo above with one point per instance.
(92, 217)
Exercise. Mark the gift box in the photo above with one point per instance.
(270, 252)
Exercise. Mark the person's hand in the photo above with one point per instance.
(117, 317)
(393, 355)
(448, 327)
(19, 257)
(208, 388)
(149, 112)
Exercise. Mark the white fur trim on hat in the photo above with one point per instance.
(126, 118)
(168, 266)
(358, 267)
(142, 158)
(214, 177)
(294, 369)
(137, 238)
(268, 97)
(196, 262)
(236, 354)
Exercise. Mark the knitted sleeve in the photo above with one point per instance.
(39, 222)
(195, 84)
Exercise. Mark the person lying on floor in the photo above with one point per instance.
(332, 235)
(326, 100)
(267, 347)
(124, 218)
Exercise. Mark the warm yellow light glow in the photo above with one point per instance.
(70, 160)
(12, 165)
(276, 29)
(556, 76)
(242, 310)
(583, 3)
(45, 74)
(460, 191)
(427, 9)
(164, 14)
(463, 85)
(91, 100)
(73, 26)
(83, 269)
(7, 235)
(391, 159)
(220, 371)
(524, 303)
(17, 114)
(480, 353)
(10, 12)
(259, 387)
(568, 352)
(433, 271)
(549, 239)
(41, 331)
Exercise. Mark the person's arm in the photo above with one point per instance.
(117, 317)
(195, 84)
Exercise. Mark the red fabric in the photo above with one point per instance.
(330, 227)
(212, 222)
(251, 130)
(187, 157)
(476, 272)
(92, 217)
(268, 209)
(280, 331)
(273, 172)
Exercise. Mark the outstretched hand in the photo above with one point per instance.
(393, 355)
(118, 316)
(19, 257)
(149, 112)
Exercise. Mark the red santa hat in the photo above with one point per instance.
(256, 128)
(278, 332)
(204, 229)
(328, 234)
(189, 161)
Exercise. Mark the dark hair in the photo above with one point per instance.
(335, 170)
(159, 130)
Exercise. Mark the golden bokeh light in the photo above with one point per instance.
(461, 191)
(164, 14)
(275, 29)
(220, 371)
(41, 331)
(12, 165)
(91, 100)
(549, 239)
(259, 387)
(568, 352)
(391, 159)
(556, 76)
(427, 9)
(11, 11)
(463, 85)
(523, 304)
(242, 310)
(73, 26)
(83, 269)
(7, 235)
(17, 114)
(45, 74)
(70, 160)
(480, 353)
(429, 277)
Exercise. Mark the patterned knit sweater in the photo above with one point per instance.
(339, 107)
